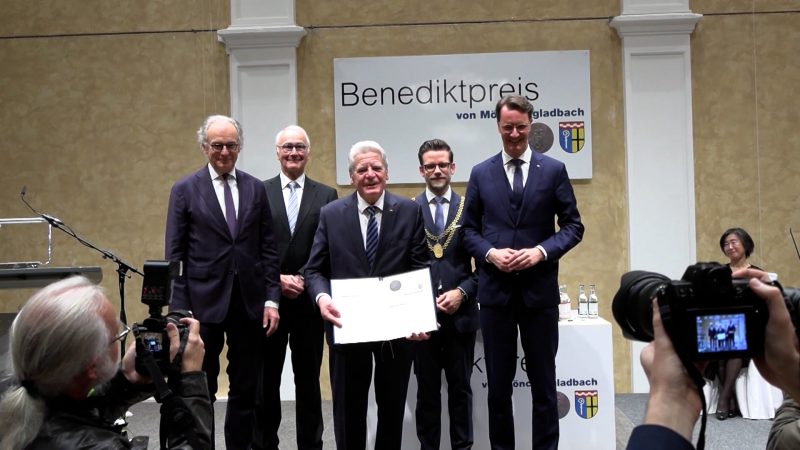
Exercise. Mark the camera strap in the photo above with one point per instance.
(175, 366)
(699, 381)
(691, 370)
(175, 414)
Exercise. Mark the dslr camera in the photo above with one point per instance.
(151, 334)
(707, 314)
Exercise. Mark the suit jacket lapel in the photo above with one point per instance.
(455, 200)
(205, 187)
(501, 186)
(388, 217)
(352, 226)
(309, 195)
(246, 193)
(277, 206)
(422, 201)
(528, 194)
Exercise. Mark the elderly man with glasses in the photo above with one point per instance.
(219, 225)
(295, 201)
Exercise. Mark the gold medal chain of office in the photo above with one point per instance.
(449, 231)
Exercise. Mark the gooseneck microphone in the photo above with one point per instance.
(55, 221)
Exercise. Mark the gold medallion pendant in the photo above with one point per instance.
(438, 251)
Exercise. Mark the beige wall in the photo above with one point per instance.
(745, 93)
(100, 102)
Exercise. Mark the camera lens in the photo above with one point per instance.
(632, 304)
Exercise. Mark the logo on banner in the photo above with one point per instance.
(541, 137)
(571, 136)
(562, 401)
(586, 403)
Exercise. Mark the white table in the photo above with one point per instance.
(584, 369)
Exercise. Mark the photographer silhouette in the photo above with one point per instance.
(72, 391)
(674, 404)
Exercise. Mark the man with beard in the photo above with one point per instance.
(451, 348)
(64, 349)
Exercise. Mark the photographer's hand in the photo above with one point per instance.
(674, 402)
(128, 366)
(195, 349)
(780, 363)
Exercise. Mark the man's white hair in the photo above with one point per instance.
(56, 334)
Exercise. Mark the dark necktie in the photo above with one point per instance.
(372, 235)
(438, 216)
(230, 210)
(516, 194)
(292, 207)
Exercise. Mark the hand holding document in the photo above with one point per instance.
(383, 308)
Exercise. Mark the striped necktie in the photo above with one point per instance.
(372, 235)
(292, 207)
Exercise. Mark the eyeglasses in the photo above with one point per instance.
(124, 330)
(442, 166)
(232, 147)
(509, 128)
(288, 147)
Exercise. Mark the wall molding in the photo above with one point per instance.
(280, 36)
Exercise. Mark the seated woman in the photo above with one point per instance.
(737, 245)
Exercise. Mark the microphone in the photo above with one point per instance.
(56, 222)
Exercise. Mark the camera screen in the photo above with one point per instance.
(152, 341)
(721, 333)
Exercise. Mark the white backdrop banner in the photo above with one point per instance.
(402, 101)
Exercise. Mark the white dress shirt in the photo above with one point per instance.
(219, 189)
(447, 196)
(363, 217)
(301, 181)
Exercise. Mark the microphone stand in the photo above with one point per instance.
(122, 266)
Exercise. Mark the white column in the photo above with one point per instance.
(658, 140)
(261, 42)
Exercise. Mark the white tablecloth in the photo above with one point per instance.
(584, 372)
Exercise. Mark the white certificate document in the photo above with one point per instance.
(384, 308)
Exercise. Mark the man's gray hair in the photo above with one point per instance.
(366, 147)
(56, 334)
(202, 132)
(294, 128)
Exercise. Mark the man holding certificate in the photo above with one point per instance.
(369, 234)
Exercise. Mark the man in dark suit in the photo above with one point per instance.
(219, 225)
(452, 347)
(296, 201)
(512, 200)
(371, 233)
